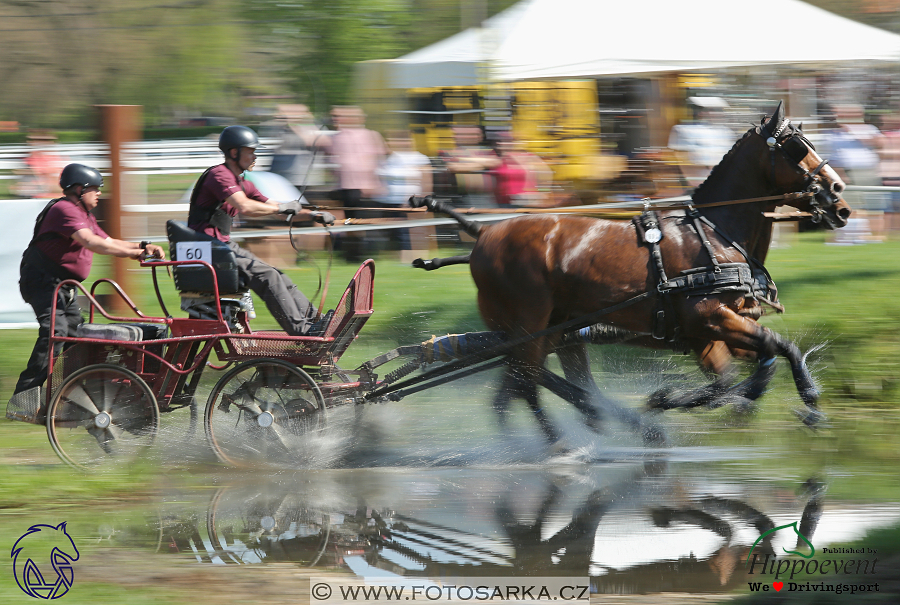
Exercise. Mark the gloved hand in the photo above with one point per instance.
(323, 218)
(290, 208)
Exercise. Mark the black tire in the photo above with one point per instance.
(262, 411)
(101, 415)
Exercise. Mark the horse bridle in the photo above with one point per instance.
(777, 139)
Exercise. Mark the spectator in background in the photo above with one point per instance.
(702, 142)
(519, 176)
(357, 152)
(890, 169)
(404, 173)
(42, 167)
(852, 148)
(468, 167)
(294, 158)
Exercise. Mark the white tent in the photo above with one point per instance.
(583, 38)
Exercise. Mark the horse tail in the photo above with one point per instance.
(437, 263)
(471, 227)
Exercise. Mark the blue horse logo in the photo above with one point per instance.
(41, 548)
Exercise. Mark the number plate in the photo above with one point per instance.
(194, 251)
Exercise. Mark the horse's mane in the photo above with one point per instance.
(718, 167)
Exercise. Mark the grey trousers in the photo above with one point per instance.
(287, 304)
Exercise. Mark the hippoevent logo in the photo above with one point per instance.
(832, 572)
(42, 561)
(793, 526)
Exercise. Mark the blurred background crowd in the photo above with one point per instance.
(365, 104)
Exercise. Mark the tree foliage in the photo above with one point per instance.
(60, 58)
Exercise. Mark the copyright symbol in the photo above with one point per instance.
(321, 591)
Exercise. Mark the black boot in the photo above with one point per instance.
(320, 325)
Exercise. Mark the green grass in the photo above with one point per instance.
(842, 296)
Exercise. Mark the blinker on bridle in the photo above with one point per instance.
(794, 146)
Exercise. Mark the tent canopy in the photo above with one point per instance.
(540, 39)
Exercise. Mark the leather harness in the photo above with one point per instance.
(749, 278)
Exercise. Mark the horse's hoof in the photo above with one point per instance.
(595, 423)
(810, 395)
(812, 418)
(659, 400)
(560, 447)
(653, 435)
(743, 406)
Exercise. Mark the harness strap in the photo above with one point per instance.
(648, 227)
(726, 277)
(694, 214)
(750, 259)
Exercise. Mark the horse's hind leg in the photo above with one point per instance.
(576, 365)
(519, 382)
(714, 356)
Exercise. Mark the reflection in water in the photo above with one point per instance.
(639, 527)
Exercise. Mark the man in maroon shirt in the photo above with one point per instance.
(219, 195)
(66, 236)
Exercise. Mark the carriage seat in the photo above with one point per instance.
(195, 283)
(197, 279)
(128, 332)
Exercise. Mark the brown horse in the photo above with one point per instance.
(542, 270)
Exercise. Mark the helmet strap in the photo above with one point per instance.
(81, 198)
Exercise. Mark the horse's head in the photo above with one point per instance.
(794, 166)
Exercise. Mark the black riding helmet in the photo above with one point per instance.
(235, 137)
(79, 174)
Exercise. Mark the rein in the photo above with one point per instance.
(310, 260)
(599, 209)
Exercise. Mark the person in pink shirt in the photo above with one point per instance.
(357, 152)
(66, 237)
(516, 178)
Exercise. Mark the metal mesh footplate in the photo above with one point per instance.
(304, 351)
(26, 406)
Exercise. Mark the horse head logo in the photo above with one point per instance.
(34, 554)
(800, 539)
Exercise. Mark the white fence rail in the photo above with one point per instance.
(179, 156)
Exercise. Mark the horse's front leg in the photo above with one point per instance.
(744, 334)
(806, 386)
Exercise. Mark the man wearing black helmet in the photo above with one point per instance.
(66, 236)
(222, 193)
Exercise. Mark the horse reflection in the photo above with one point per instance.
(565, 528)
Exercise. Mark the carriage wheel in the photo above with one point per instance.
(100, 415)
(263, 411)
(250, 524)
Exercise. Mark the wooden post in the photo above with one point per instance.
(121, 124)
